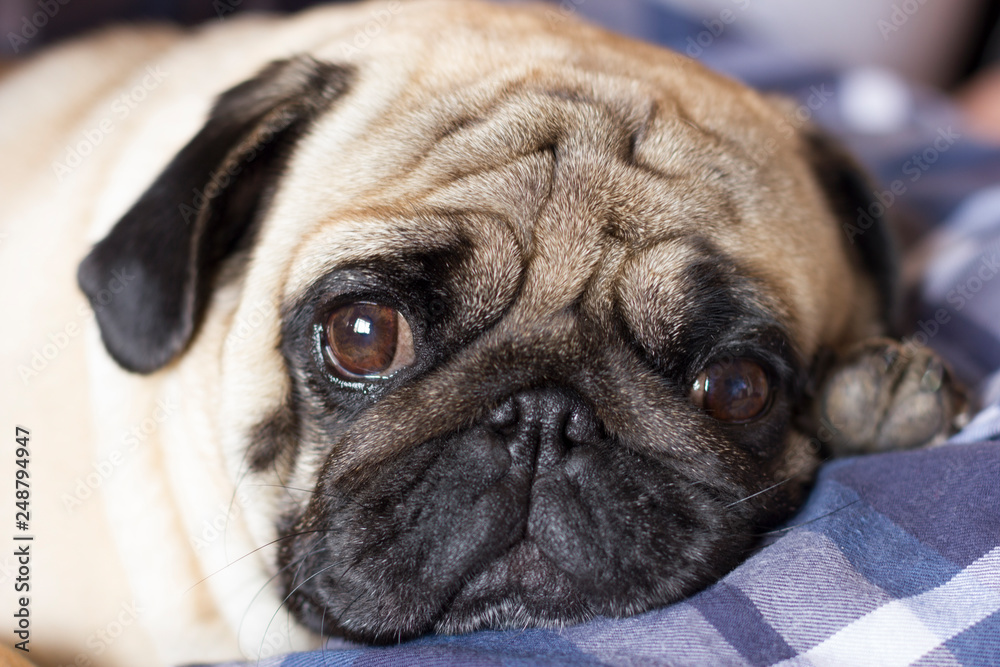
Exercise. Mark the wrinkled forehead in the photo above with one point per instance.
(602, 155)
(549, 174)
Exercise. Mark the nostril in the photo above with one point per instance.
(544, 429)
(503, 416)
(581, 426)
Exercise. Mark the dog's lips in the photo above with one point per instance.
(522, 586)
(446, 542)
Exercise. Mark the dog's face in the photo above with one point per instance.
(545, 309)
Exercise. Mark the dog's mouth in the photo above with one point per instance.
(520, 522)
(520, 588)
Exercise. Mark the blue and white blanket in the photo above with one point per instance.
(895, 559)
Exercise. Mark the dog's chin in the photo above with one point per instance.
(486, 529)
(522, 588)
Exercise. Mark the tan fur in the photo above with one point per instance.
(733, 168)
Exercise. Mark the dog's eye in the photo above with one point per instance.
(368, 340)
(735, 391)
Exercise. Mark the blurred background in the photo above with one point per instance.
(934, 41)
(948, 45)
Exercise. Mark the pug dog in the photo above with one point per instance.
(421, 317)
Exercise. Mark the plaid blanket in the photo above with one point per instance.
(895, 559)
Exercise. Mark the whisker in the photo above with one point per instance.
(313, 492)
(351, 603)
(284, 486)
(290, 593)
(245, 470)
(754, 495)
(780, 531)
(322, 624)
(250, 553)
(298, 562)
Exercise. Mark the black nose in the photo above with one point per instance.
(543, 426)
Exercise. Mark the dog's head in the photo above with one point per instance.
(544, 312)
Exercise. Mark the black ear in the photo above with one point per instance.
(863, 219)
(163, 254)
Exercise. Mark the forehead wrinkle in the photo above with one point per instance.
(599, 201)
(661, 296)
(568, 241)
(640, 205)
(641, 202)
(515, 125)
(645, 209)
(518, 111)
(515, 192)
(606, 194)
(652, 292)
(673, 144)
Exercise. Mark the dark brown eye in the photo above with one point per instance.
(368, 340)
(735, 391)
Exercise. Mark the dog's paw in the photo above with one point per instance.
(886, 395)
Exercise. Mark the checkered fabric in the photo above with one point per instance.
(895, 559)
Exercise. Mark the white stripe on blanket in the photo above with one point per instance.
(903, 631)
